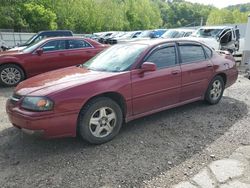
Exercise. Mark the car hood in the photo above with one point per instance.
(10, 53)
(55, 81)
(17, 48)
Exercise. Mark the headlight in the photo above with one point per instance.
(37, 103)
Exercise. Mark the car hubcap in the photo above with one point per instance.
(10, 76)
(102, 122)
(216, 90)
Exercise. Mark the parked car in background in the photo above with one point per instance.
(127, 36)
(108, 40)
(44, 56)
(177, 33)
(105, 35)
(144, 35)
(157, 33)
(42, 35)
(219, 37)
(125, 82)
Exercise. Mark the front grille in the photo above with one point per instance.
(15, 98)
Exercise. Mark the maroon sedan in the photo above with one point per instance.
(120, 84)
(44, 56)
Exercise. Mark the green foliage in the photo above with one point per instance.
(240, 7)
(87, 16)
(38, 17)
(11, 18)
(225, 16)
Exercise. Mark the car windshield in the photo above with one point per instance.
(32, 47)
(207, 33)
(117, 58)
(31, 39)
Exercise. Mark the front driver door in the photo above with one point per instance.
(54, 56)
(157, 89)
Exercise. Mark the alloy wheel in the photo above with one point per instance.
(216, 90)
(10, 76)
(102, 122)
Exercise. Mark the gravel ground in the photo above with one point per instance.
(157, 151)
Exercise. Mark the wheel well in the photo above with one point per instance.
(116, 97)
(13, 63)
(112, 95)
(224, 77)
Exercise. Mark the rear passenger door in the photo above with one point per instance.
(196, 68)
(79, 51)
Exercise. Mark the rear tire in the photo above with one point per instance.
(215, 90)
(11, 75)
(100, 120)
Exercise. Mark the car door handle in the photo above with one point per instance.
(209, 65)
(175, 72)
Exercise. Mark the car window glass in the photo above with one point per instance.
(191, 53)
(54, 45)
(78, 44)
(208, 52)
(163, 57)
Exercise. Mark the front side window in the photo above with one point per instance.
(191, 53)
(54, 45)
(73, 44)
(164, 57)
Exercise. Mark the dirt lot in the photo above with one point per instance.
(156, 151)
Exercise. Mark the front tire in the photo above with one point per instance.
(11, 75)
(215, 90)
(100, 120)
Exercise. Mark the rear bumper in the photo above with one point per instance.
(48, 126)
(232, 77)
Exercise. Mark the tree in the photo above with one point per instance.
(224, 16)
(38, 17)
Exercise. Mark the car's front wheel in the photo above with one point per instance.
(100, 120)
(11, 75)
(215, 90)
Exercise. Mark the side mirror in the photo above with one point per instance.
(148, 67)
(39, 51)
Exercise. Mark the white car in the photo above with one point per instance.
(219, 37)
(177, 33)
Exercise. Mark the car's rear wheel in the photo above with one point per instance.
(11, 75)
(215, 90)
(100, 120)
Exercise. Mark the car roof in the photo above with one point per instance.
(215, 27)
(55, 31)
(181, 29)
(62, 38)
(153, 42)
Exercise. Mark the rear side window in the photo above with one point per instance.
(191, 53)
(164, 57)
(78, 44)
(208, 52)
(54, 45)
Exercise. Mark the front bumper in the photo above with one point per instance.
(47, 125)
